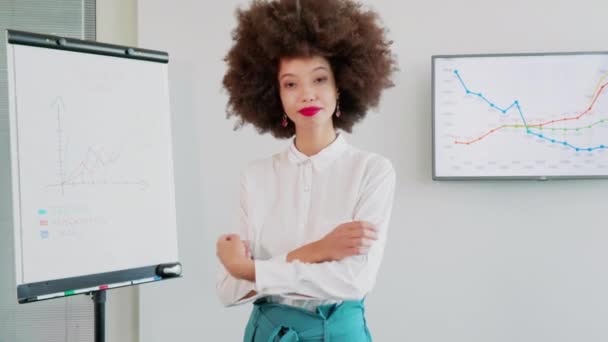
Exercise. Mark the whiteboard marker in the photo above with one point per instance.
(126, 283)
(51, 295)
(145, 280)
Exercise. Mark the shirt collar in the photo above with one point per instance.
(321, 159)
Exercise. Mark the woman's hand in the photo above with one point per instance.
(235, 256)
(347, 239)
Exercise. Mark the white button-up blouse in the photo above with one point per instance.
(290, 200)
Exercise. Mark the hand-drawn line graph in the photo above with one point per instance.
(89, 168)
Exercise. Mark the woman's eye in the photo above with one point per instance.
(321, 79)
(289, 85)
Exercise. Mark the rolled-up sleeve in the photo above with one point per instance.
(231, 290)
(350, 278)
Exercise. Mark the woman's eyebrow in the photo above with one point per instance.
(285, 75)
(313, 70)
(319, 68)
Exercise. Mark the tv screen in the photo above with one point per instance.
(529, 116)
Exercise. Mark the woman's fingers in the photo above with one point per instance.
(371, 233)
(364, 231)
(356, 251)
(365, 235)
(363, 250)
(352, 238)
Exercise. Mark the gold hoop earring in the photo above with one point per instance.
(284, 121)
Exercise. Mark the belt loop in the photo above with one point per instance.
(284, 334)
(290, 336)
(322, 314)
(275, 333)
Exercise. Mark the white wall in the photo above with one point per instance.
(117, 21)
(467, 261)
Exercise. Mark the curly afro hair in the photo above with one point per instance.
(341, 31)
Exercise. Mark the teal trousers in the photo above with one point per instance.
(271, 322)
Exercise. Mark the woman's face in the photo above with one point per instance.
(308, 92)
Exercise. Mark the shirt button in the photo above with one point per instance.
(307, 188)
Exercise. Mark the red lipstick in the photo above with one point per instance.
(309, 111)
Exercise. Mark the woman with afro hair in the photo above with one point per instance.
(314, 217)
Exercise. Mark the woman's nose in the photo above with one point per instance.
(308, 95)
